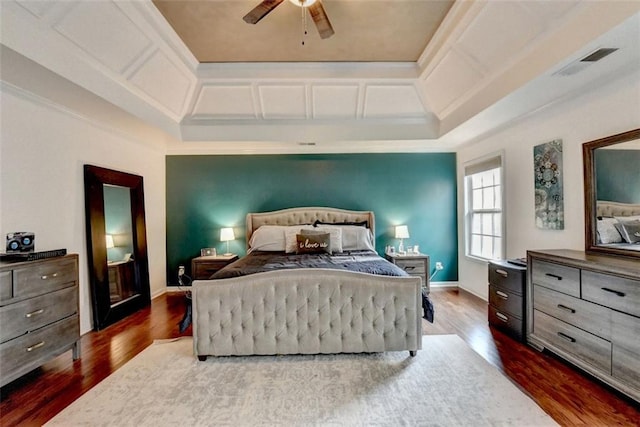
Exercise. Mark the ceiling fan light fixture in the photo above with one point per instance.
(303, 3)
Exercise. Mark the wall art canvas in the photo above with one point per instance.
(549, 198)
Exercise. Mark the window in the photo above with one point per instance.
(484, 227)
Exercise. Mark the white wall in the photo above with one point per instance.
(611, 109)
(42, 153)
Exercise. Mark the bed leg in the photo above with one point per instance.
(413, 353)
(202, 358)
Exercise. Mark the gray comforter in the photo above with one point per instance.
(359, 261)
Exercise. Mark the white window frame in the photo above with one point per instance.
(485, 163)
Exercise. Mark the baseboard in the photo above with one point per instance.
(443, 284)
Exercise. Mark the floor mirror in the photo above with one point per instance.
(116, 244)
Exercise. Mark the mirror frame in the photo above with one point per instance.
(104, 314)
(590, 221)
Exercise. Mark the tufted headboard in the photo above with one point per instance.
(300, 216)
(611, 209)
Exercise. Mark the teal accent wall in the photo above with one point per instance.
(618, 175)
(206, 193)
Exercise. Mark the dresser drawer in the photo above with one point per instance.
(591, 349)
(507, 322)
(507, 278)
(585, 315)
(414, 267)
(505, 301)
(626, 349)
(612, 291)
(6, 285)
(44, 277)
(37, 347)
(28, 315)
(557, 277)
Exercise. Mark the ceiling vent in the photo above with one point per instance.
(581, 64)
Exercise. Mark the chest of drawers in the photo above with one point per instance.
(507, 284)
(415, 265)
(38, 313)
(586, 309)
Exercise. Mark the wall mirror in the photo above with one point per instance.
(612, 194)
(116, 244)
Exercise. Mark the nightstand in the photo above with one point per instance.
(507, 283)
(203, 267)
(416, 265)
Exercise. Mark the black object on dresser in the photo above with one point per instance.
(507, 285)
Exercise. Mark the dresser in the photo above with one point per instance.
(507, 287)
(586, 309)
(415, 265)
(38, 313)
(203, 267)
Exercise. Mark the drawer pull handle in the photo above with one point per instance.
(45, 277)
(565, 308)
(33, 313)
(555, 276)
(566, 337)
(613, 291)
(502, 317)
(502, 295)
(502, 272)
(35, 346)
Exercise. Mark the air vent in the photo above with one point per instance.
(599, 54)
(581, 64)
(306, 143)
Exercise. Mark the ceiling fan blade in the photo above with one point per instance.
(261, 10)
(321, 19)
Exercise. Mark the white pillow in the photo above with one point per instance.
(607, 232)
(354, 237)
(335, 236)
(268, 238)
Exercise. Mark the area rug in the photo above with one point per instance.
(446, 384)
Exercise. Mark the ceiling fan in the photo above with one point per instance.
(315, 8)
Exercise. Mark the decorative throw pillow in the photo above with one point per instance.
(290, 236)
(630, 231)
(313, 243)
(607, 231)
(336, 237)
(356, 223)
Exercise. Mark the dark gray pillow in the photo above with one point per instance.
(313, 243)
(629, 230)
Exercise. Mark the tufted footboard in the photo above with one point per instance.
(306, 311)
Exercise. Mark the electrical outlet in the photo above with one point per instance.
(439, 266)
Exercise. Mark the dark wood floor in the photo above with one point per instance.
(569, 396)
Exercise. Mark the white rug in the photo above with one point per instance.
(446, 384)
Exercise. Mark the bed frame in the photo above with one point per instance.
(306, 311)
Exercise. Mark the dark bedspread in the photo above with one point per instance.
(360, 261)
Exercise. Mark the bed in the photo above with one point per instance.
(307, 310)
(618, 225)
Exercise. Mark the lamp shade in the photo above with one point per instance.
(402, 232)
(109, 241)
(226, 234)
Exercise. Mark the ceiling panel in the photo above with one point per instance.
(102, 31)
(225, 102)
(392, 101)
(335, 101)
(283, 101)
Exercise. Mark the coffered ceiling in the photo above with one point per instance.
(403, 75)
(365, 30)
